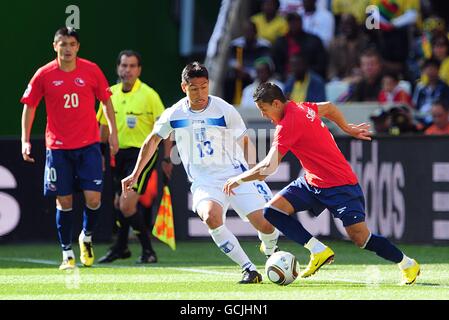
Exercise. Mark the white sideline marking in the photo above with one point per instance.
(55, 263)
(38, 261)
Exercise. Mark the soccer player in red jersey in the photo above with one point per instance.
(329, 181)
(70, 86)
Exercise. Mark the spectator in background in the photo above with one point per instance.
(354, 8)
(427, 93)
(297, 6)
(440, 51)
(382, 121)
(318, 21)
(392, 93)
(370, 83)
(440, 119)
(433, 26)
(296, 41)
(270, 25)
(402, 121)
(241, 65)
(395, 18)
(304, 84)
(345, 49)
(265, 70)
(395, 121)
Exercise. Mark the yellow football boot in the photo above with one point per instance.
(67, 264)
(410, 274)
(86, 253)
(317, 260)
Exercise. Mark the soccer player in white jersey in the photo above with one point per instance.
(211, 139)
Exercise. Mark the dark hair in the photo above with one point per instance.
(194, 70)
(430, 62)
(391, 74)
(291, 16)
(268, 92)
(371, 51)
(443, 103)
(277, 4)
(439, 38)
(66, 32)
(129, 53)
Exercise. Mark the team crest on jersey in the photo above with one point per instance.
(57, 83)
(80, 82)
(311, 114)
(27, 91)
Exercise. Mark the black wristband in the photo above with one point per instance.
(103, 148)
(167, 159)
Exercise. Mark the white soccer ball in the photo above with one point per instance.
(282, 268)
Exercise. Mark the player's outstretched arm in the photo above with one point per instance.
(146, 152)
(331, 112)
(167, 166)
(249, 150)
(27, 123)
(259, 172)
(109, 114)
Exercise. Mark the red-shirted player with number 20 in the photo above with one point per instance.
(70, 87)
(329, 181)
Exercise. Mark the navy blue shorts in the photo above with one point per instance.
(346, 203)
(67, 171)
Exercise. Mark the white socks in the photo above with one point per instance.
(85, 238)
(269, 241)
(229, 244)
(67, 253)
(314, 245)
(406, 263)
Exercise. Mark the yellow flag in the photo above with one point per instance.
(164, 228)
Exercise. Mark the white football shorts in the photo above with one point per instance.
(248, 197)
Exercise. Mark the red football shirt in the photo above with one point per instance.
(302, 132)
(70, 102)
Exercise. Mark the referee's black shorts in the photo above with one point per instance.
(125, 161)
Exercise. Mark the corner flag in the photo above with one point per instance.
(164, 227)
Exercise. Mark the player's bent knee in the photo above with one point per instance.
(212, 222)
(93, 204)
(64, 203)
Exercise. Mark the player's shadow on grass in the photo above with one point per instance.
(428, 284)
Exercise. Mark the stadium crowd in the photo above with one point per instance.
(391, 52)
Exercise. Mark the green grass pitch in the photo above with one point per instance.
(197, 270)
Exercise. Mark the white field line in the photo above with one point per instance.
(151, 278)
(55, 263)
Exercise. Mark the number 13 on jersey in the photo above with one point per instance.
(204, 146)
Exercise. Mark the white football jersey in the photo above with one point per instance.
(206, 139)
